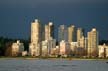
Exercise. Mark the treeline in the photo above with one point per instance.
(103, 41)
(7, 42)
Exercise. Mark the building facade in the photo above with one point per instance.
(72, 33)
(73, 47)
(34, 47)
(17, 48)
(48, 46)
(64, 48)
(80, 34)
(49, 31)
(103, 51)
(62, 33)
(93, 43)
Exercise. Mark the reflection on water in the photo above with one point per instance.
(65, 65)
(52, 65)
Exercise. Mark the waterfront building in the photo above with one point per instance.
(73, 47)
(77, 50)
(103, 51)
(24, 53)
(17, 48)
(86, 46)
(106, 51)
(55, 51)
(64, 48)
(80, 34)
(80, 51)
(34, 50)
(52, 44)
(72, 33)
(47, 47)
(81, 42)
(49, 31)
(44, 48)
(93, 43)
(62, 33)
(86, 42)
(35, 38)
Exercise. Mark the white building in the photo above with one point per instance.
(47, 46)
(80, 34)
(72, 34)
(17, 48)
(103, 51)
(24, 53)
(64, 48)
(93, 43)
(49, 31)
(73, 47)
(55, 51)
(81, 42)
(107, 51)
(34, 50)
(62, 33)
(34, 47)
(44, 48)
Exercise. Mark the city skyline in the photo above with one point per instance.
(81, 13)
(45, 44)
(71, 42)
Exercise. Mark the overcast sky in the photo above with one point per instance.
(16, 15)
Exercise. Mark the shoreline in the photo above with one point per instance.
(37, 58)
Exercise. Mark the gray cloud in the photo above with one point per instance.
(50, 1)
(46, 3)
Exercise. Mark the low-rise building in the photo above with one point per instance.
(55, 51)
(44, 48)
(34, 50)
(64, 48)
(17, 48)
(107, 51)
(24, 53)
(103, 51)
(73, 47)
(48, 46)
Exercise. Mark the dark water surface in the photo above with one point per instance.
(52, 65)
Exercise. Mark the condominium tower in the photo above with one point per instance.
(62, 33)
(80, 34)
(34, 47)
(49, 31)
(93, 43)
(72, 33)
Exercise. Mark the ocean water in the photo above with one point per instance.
(52, 65)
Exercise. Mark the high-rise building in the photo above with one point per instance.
(72, 33)
(45, 48)
(82, 46)
(93, 43)
(35, 32)
(35, 38)
(81, 42)
(46, 32)
(80, 34)
(62, 33)
(49, 31)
